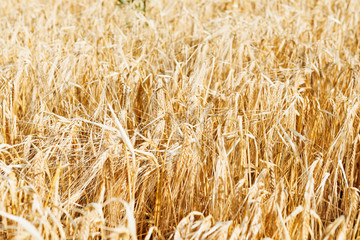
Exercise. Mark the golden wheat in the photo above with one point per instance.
(220, 119)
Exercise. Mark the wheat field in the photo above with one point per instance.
(189, 119)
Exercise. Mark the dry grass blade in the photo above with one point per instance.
(31, 229)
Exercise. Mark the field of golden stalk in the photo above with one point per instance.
(197, 119)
